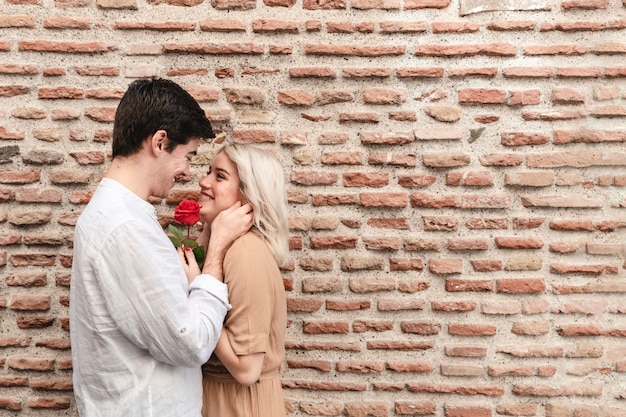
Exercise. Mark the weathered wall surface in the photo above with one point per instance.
(457, 186)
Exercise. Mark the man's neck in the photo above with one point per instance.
(131, 172)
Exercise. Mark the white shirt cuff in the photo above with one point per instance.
(210, 284)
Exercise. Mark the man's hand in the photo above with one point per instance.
(227, 226)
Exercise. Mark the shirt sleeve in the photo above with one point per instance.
(248, 273)
(146, 292)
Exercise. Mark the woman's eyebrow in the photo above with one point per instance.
(223, 170)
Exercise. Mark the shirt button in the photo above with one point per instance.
(183, 329)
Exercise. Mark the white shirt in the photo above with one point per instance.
(139, 332)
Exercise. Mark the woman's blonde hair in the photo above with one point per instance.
(262, 184)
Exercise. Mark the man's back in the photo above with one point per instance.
(137, 342)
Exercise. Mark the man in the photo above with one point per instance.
(139, 331)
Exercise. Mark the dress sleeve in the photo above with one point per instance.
(248, 272)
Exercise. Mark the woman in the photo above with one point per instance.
(242, 376)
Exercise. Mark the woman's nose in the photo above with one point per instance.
(205, 181)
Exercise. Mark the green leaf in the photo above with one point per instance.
(175, 241)
(177, 233)
(199, 254)
(190, 243)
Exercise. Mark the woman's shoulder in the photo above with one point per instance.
(249, 251)
(250, 241)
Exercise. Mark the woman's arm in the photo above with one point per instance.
(246, 369)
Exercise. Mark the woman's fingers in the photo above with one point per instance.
(190, 265)
(181, 254)
(190, 257)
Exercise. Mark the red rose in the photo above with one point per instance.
(187, 212)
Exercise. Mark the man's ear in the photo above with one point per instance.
(158, 141)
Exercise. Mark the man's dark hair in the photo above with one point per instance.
(157, 104)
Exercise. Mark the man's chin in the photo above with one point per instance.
(160, 195)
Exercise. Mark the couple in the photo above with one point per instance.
(144, 319)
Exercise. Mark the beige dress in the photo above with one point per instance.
(256, 323)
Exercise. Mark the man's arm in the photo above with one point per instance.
(227, 226)
(142, 284)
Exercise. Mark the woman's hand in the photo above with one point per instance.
(188, 259)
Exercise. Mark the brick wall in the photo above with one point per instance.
(457, 176)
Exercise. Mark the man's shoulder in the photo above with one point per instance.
(109, 208)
